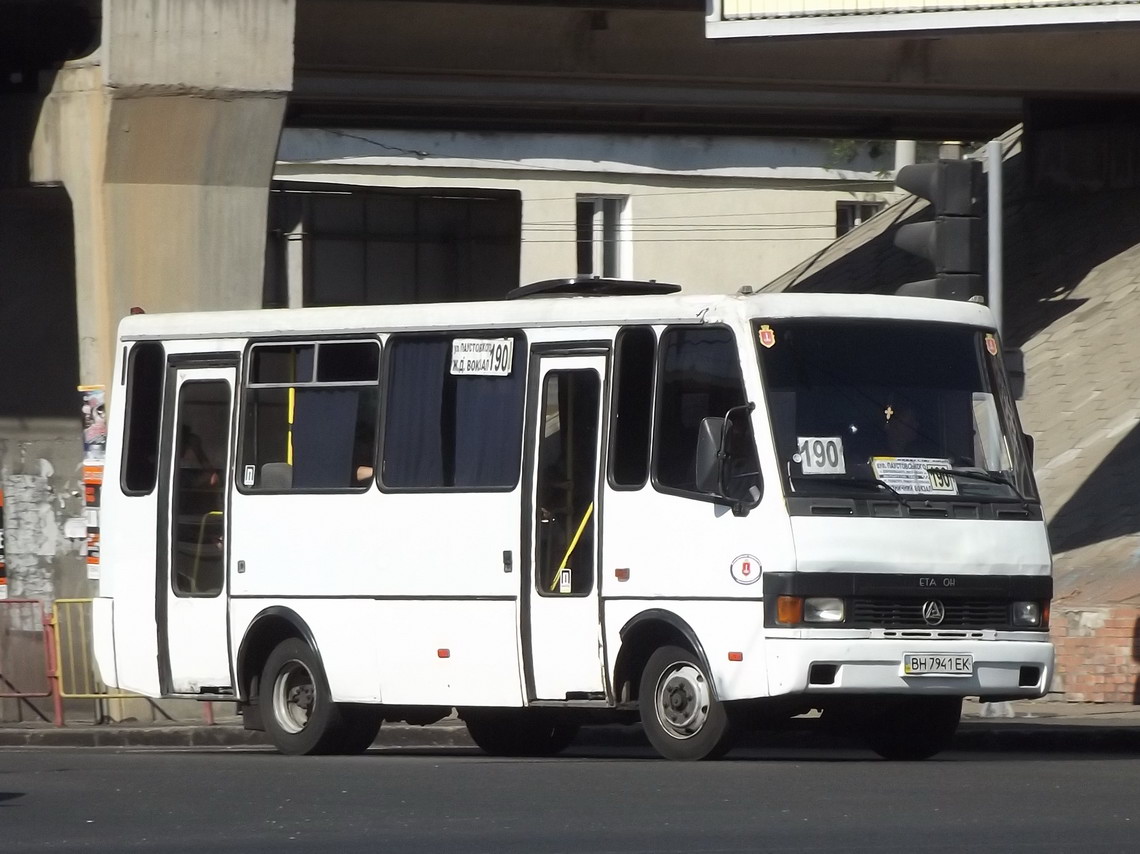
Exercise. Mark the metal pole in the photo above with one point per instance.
(994, 218)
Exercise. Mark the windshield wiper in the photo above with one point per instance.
(873, 482)
(976, 474)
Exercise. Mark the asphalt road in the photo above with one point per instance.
(600, 801)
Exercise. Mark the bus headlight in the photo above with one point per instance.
(1027, 614)
(824, 609)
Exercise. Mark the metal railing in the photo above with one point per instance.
(24, 623)
(75, 673)
(69, 672)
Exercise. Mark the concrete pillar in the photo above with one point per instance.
(906, 153)
(165, 139)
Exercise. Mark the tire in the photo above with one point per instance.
(518, 732)
(914, 728)
(297, 708)
(680, 713)
(360, 725)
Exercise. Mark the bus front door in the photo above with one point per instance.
(561, 600)
(192, 613)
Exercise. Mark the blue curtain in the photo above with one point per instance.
(413, 447)
(488, 428)
(324, 432)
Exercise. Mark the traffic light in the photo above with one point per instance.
(955, 239)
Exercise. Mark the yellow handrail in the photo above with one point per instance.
(198, 550)
(573, 543)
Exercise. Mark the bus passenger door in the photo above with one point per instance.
(561, 622)
(192, 603)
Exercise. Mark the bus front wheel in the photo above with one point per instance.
(297, 708)
(680, 714)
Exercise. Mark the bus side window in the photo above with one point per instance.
(446, 430)
(310, 416)
(198, 491)
(699, 378)
(146, 375)
(632, 407)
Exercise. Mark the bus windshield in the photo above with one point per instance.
(901, 408)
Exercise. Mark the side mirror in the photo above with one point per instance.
(710, 435)
(1014, 361)
(1028, 447)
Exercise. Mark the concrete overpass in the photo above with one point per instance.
(161, 117)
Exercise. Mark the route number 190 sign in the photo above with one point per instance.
(820, 454)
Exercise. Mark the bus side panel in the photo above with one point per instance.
(103, 639)
(131, 554)
(373, 544)
(450, 653)
(721, 627)
(675, 546)
(403, 652)
(123, 619)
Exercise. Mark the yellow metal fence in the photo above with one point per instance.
(75, 670)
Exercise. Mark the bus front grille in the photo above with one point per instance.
(908, 613)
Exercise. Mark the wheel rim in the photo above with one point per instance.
(294, 695)
(682, 700)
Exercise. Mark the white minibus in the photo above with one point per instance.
(598, 501)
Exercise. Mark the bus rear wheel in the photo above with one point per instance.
(297, 708)
(914, 728)
(518, 732)
(680, 714)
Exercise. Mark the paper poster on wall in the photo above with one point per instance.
(91, 498)
(94, 453)
(3, 565)
(94, 423)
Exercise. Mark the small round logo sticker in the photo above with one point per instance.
(746, 569)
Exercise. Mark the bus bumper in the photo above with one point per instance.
(999, 669)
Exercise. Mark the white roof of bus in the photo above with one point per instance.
(548, 311)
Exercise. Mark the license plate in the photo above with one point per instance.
(937, 664)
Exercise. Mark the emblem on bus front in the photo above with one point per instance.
(746, 569)
(933, 612)
(767, 336)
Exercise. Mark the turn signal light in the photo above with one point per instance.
(789, 610)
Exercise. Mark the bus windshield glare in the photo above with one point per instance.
(910, 409)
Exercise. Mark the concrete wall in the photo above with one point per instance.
(40, 446)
